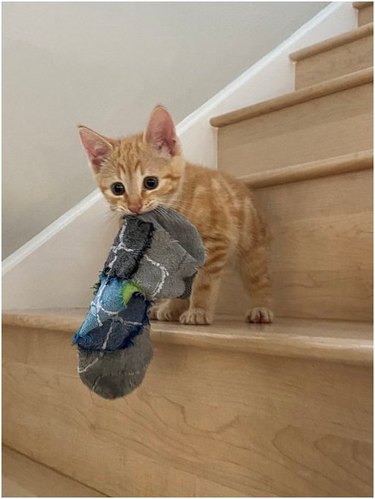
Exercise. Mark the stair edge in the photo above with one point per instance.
(361, 5)
(347, 351)
(347, 163)
(9, 449)
(306, 94)
(331, 43)
(261, 339)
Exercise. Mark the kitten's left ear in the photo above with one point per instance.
(161, 133)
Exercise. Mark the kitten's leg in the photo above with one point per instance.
(206, 285)
(253, 268)
(168, 310)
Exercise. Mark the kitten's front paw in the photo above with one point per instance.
(152, 314)
(170, 310)
(260, 315)
(196, 316)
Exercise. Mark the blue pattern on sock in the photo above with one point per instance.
(107, 303)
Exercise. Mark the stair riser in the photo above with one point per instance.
(320, 252)
(336, 62)
(365, 15)
(328, 126)
(224, 423)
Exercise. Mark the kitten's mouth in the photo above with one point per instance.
(146, 209)
(125, 211)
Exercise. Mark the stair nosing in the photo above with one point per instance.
(349, 351)
(361, 5)
(332, 43)
(296, 97)
(261, 339)
(336, 165)
(53, 470)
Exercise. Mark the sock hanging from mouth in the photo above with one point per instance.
(154, 255)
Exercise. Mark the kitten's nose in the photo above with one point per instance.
(135, 206)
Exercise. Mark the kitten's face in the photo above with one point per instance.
(138, 173)
(135, 178)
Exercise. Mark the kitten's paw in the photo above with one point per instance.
(167, 315)
(260, 315)
(196, 316)
(168, 311)
(152, 314)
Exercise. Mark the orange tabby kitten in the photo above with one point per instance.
(138, 173)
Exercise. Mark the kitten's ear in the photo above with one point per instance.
(98, 148)
(161, 133)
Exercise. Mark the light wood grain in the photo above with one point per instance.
(344, 342)
(23, 477)
(335, 61)
(333, 125)
(205, 422)
(347, 163)
(321, 249)
(291, 99)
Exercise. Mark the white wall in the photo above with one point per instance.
(106, 65)
(67, 255)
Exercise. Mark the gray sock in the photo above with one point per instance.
(160, 252)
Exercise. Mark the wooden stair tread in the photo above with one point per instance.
(334, 57)
(331, 43)
(293, 98)
(362, 5)
(341, 341)
(23, 477)
(346, 163)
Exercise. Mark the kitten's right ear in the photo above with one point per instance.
(98, 148)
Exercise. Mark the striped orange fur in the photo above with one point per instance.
(219, 206)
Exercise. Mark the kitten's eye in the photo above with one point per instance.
(150, 183)
(118, 188)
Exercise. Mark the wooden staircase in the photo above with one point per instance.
(236, 409)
